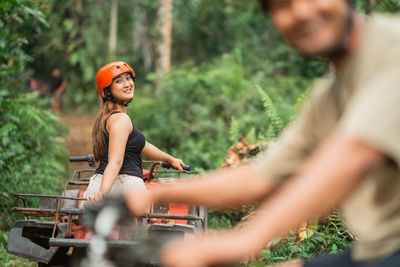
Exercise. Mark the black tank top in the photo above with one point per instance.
(132, 164)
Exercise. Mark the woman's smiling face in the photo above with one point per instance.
(123, 87)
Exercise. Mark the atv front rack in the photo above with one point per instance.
(47, 209)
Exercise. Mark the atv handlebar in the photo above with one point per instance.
(89, 159)
(166, 165)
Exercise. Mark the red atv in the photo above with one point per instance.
(63, 240)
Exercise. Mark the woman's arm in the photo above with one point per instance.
(154, 153)
(120, 127)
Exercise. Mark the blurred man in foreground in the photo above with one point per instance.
(343, 149)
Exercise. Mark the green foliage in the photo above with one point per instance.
(234, 135)
(228, 218)
(76, 41)
(387, 6)
(207, 29)
(32, 152)
(275, 123)
(219, 219)
(19, 22)
(190, 115)
(330, 237)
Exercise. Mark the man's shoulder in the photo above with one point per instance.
(389, 21)
(322, 86)
(385, 26)
(380, 50)
(319, 95)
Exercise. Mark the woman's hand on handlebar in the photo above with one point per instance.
(96, 197)
(176, 164)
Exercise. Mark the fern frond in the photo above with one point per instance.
(300, 102)
(275, 120)
(234, 134)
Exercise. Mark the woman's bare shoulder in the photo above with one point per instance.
(120, 121)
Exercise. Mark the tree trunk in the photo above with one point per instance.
(141, 42)
(112, 39)
(163, 62)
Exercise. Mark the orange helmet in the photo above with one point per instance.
(107, 73)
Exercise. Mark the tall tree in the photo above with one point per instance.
(112, 39)
(141, 39)
(163, 62)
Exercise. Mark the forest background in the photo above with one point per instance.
(209, 74)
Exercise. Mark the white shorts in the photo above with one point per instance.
(122, 183)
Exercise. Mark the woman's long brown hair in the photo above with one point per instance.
(99, 131)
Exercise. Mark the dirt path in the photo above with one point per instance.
(79, 137)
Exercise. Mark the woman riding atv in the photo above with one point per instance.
(117, 144)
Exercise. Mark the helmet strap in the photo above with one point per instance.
(113, 99)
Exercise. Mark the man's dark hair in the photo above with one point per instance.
(265, 4)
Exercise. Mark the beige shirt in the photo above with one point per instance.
(363, 100)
